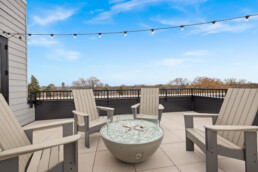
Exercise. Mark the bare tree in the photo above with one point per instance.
(242, 81)
(234, 82)
(91, 82)
(179, 82)
(80, 83)
(206, 82)
(231, 81)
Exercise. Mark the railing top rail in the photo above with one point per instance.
(138, 89)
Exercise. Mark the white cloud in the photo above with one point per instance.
(198, 53)
(96, 11)
(63, 55)
(121, 6)
(34, 41)
(59, 14)
(174, 61)
(234, 27)
(133, 4)
(102, 17)
(176, 21)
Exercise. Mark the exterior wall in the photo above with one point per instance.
(13, 18)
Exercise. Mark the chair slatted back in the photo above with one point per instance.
(149, 101)
(85, 102)
(11, 133)
(239, 108)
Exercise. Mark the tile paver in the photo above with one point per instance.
(158, 160)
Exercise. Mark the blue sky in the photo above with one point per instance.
(228, 49)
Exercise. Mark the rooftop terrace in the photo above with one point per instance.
(170, 157)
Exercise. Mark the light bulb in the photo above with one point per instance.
(246, 18)
(74, 36)
(152, 31)
(125, 33)
(20, 37)
(213, 22)
(99, 35)
(182, 27)
(29, 35)
(52, 36)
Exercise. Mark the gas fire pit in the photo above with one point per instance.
(132, 141)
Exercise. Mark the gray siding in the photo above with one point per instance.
(13, 19)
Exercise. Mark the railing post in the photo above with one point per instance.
(31, 102)
(166, 98)
(107, 97)
(192, 98)
(138, 95)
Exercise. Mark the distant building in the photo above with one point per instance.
(63, 85)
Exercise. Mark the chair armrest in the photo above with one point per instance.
(105, 108)
(134, 109)
(135, 106)
(79, 113)
(36, 147)
(48, 125)
(110, 111)
(161, 107)
(188, 117)
(231, 128)
(201, 115)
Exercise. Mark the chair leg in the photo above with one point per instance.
(251, 164)
(211, 151)
(87, 139)
(11, 164)
(188, 124)
(189, 144)
(87, 133)
(134, 112)
(71, 157)
(211, 162)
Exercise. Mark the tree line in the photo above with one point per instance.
(198, 82)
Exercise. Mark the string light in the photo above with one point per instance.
(74, 36)
(246, 18)
(9, 35)
(182, 27)
(152, 31)
(20, 37)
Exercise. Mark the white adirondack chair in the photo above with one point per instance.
(18, 154)
(232, 135)
(86, 114)
(150, 108)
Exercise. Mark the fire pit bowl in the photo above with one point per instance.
(132, 141)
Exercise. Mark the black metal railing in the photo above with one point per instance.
(128, 93)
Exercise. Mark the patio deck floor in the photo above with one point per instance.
(170, 157)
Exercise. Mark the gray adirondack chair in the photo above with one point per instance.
(18, 154)
(150, 108)
(86, 114)
(232, 134)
